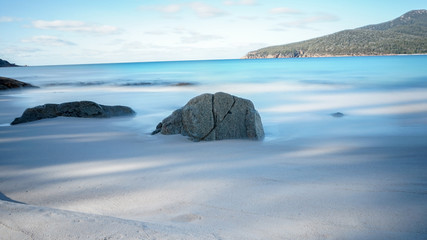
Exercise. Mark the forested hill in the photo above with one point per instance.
(406, 34)
(4, 63)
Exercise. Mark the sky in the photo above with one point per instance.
(52, 32)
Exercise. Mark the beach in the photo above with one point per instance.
(314, 176)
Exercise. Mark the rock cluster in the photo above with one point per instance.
(9, 83)
(214, 117)
(82, 109)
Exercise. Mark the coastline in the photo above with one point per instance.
(337, 56)
(210, 60)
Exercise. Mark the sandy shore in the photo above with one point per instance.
(69, 178)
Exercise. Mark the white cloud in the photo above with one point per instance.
(204, 10)
(75, 26)
(20, 52)
(247, 2)
(241, 2)
(317, 19)
(309, 21)
(249, 18)
(48, 41)
(195, 37)
(155, 32)
(201, 9)
(6, 19)
(284, 10)
(172, 8)
(186, 35)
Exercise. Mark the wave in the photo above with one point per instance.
(63, 84)
(125, 84)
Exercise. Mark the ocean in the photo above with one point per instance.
(381, 71)
(295, 97)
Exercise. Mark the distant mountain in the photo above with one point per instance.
(4, 63)
(404, 35)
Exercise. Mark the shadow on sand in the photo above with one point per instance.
(6, 198)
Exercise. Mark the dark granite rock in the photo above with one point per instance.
(214, 117)
(82, 109)
(9, 83)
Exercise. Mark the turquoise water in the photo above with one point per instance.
(379, 96)
(383, 71)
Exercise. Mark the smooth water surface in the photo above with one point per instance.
(358, 71)
(295, 97)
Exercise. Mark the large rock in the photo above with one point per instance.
(214, 117)
(9, 83)
(83, 109)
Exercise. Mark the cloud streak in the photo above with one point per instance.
(204, 10)
(307, 22)
(187, 36)
(172, 8)
(241, 2)
(6, 19)
(201, 9)
(195, 37)
(284, 10)
(19, 51)
(48, 41)
(75, 26)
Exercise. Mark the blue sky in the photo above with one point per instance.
(50, 32)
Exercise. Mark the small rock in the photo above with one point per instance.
(182, 84)
(9, 83)
(337, 115)
(82, 109)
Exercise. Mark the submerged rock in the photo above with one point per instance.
(9, 83)
(82, 109)
(337, 115)
(214, 117)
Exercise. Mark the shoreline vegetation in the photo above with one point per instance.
(338, 56)
(405, 35)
